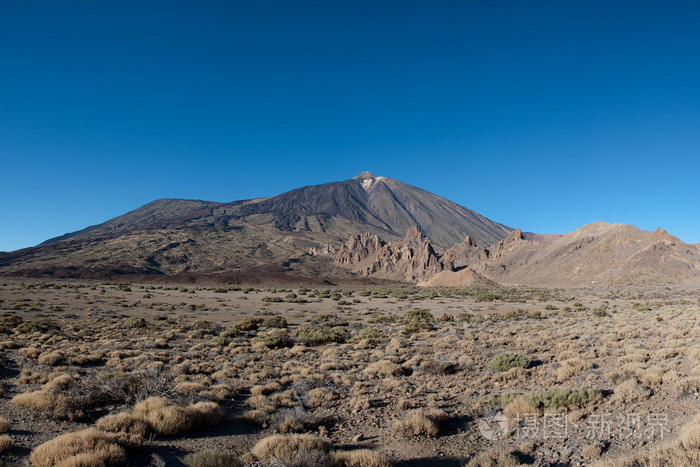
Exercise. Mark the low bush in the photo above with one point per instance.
(211, 458)
(249, 324)
(506, 361)
(6, 444)
(38, 400)
(52, 358)
(296, 420)
(164, 417)
(553, 398)
(4, 425)
(293, 449)
(360, 458)
(371, 335)
(317, 335)
(42, 325)
(329, 320)
(136, 323)
(89, 447)
(420, 423)
(630, 391)
(272, 299)
(275, 340)
(275, 322)
(417, 320)
(438, 367)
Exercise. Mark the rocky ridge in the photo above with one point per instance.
(595, 254)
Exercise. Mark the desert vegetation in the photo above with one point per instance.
(97, 373)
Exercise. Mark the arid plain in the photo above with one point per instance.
(155, 374)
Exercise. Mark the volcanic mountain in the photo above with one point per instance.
(295, 234)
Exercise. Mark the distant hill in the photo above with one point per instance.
(597, 253)
(295, 233)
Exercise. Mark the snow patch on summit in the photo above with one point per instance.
(368, 182)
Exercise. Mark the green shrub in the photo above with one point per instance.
(296, 300)
(7, 323)
(486, 297)
(275, 322)
(318, 335)
(417, 320)
(506, 361)
(250, 324)
(329, 320)
(209, 327)
(220, 340)
(277, 339)
(231, 332)
(272, 299)
(400, 294)
(136, 323)
(42, 325)
(373, 335)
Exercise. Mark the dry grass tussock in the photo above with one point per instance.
(493, 459)
(211, 458)
(631, 391)
(89, 447)
(6, 444)
(4, 425)
(290, 449)
(360, 458)
(420, 423)
(38, 400)
(163, 417)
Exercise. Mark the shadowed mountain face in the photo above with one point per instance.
(295, 232)
(363, 203)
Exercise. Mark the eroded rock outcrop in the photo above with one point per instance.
(463, 255)
(412, 259)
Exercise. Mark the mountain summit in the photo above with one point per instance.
(279, 233)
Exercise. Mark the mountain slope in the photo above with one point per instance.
(597, 253)
(295, 232)
(364, 203)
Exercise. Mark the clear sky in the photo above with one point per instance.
(544, 115)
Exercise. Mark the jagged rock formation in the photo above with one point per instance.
(464, 254)
(411, 259)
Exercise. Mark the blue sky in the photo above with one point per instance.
(544, 115)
